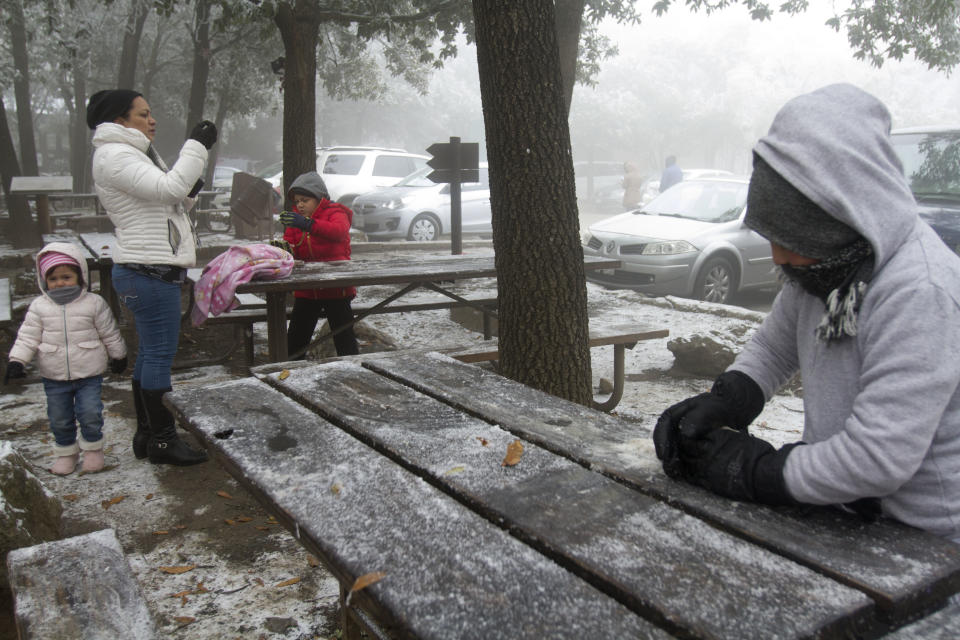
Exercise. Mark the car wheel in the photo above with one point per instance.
(717, 281)
(424, 228)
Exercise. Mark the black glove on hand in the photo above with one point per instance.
(734, 401)
(14, 370)
(118, 365)
(736, 465)
(205, 133)
(294, 219)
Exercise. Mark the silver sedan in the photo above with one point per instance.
(689, 241)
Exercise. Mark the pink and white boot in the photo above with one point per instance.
(66, 461)
(92, 456)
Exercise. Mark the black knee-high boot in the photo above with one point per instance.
(142, 435)
(165, 447)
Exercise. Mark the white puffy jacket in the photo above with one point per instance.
(70, 341)
(147, 205)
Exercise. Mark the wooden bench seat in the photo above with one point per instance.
(621, 337)
(80, 587)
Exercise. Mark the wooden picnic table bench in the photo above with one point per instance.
(40, 188)
(6, 303)
(80, 587)
(620, 337)
(399, 466)
(102, 247)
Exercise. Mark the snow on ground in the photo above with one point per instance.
(251, 577)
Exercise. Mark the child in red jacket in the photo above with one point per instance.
(318, 231)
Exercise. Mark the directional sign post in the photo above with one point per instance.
(455, 162)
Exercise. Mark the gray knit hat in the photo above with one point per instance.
(782, 214)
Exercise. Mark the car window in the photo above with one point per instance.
(704, 201)
(417, 179)
(393, 166)
(931, 162)
(343, 164)
(477, 186)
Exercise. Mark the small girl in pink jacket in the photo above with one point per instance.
(74, 338)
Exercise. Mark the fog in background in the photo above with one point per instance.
(703, 88)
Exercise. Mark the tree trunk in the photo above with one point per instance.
(21, 230)
(127, 72)
(21, 88)
(542, 292)
(299, 30)
(569, 23)
(201, 64)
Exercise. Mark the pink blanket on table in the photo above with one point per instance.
(214, 293)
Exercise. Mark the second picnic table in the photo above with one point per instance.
(451, 502)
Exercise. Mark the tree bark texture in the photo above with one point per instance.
(21, 229)
(201, 65)
(21, 89)
(127, 71)
(542, 293)
(569, 23)
(299, 30)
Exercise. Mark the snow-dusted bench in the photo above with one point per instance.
(79, 587)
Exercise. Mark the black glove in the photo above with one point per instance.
(294, 219)
(14, 370)
(205, 133)
(118, 365)
(734, 401)
(737, 465)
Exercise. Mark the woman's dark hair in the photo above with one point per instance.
(110, 104)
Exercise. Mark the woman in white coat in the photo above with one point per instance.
(156, 243)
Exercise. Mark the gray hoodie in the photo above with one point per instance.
(882, 408)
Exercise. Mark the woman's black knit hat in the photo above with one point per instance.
(109, 104)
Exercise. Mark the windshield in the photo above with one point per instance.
(931, 162)
(704, 201)
(417, 179)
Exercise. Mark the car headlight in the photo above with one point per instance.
(585, 238)
(668, 248)
(396, 203)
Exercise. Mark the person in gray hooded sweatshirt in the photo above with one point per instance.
(869, 315)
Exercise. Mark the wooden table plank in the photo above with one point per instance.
(903, 569)
(449, 572)
(650, 556)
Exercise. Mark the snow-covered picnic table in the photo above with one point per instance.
(452, 502)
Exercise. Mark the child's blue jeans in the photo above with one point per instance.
(70, 402)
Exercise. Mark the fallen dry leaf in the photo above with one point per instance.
(106, 504)
(284, 374)
(312, 561)
(514, 453)
(335, 489)
(184, 619)
(453, 470)
(180, 569)
(224, 494)
(179, 526)
(71, 497)
(149, 496)
(363, 582)
(229, 521)
(244, 519)
(287, 583)
(483, 441)
(162, 532)
(260, 527)
(258, 581)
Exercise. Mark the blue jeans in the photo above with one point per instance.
(74, 401)
(156, 312)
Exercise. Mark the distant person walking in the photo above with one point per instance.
(672, 174)
(156, 243)
(632, 186)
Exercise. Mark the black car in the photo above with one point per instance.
(931, 162)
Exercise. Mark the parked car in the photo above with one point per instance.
(351, 171)
(689, 241)
(223, 184)
(931, 163)
(419, 209)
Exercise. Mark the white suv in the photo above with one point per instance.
(350, 171)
